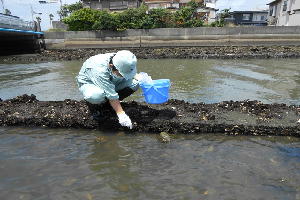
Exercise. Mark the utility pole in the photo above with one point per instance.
(33, 13)
(3, 9)
(60, 9)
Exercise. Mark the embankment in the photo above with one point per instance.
(231, 118)
(230, 52)
(177, 37)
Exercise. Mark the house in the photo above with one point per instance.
(166, 4)
(284, 13)
(209, 12)
(114, 5)
(250, 18)
(206, 13)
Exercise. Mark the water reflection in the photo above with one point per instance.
(192, 80)
(72, 164)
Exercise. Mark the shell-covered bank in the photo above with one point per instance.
(228, 117)
(219, 52)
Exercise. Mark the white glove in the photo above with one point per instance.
(138, 77)
(124, 120)
(143, 77)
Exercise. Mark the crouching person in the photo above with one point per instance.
(109, 77)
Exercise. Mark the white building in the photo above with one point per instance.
(207, 13)
(284, 13)
(212, 11)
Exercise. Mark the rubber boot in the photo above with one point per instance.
(96, 110)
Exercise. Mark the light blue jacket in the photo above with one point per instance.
(96, 70)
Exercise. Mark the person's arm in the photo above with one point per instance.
(116, 105)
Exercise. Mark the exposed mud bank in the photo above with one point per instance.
(230, 52)
(231, 118)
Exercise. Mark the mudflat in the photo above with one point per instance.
(175, 116)
(217, 52)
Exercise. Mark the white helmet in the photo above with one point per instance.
(125, 63)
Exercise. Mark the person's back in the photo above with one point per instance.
(98, 62)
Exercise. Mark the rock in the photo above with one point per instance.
(164, 137)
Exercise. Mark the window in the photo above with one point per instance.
(271, 11)
(284, 6)
(118, 5)
(246, 16)
(262, 18)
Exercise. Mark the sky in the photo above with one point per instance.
(22, 8)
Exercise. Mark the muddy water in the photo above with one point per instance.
(41, 163)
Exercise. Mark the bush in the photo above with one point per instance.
(105, 21)
(160, 18)
(133, 18)
(82, 20)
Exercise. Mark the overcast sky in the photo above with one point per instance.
(22, 8)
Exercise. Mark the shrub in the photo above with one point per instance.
(133, 18)
(105, 21)
(82, 20)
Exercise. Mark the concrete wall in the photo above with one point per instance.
(172, 37)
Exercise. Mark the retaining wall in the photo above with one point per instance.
(176, 37)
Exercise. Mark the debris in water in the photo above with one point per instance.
(165, 137)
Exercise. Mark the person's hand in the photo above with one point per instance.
(138, 77)
(124, 120)
(143, 77)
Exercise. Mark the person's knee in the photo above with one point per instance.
(95, 98)
(93, 95)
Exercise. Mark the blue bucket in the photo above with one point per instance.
(156, 92)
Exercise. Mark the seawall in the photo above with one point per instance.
(176, 37)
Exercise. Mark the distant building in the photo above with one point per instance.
(284, 13)
(209, 12)
(250, 18)
(114, 5)
(206, 13)
(166, 4)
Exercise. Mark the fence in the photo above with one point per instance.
(12, 22)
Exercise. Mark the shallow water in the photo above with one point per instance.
(40, 163)
(209, 81)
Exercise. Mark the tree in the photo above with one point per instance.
(82, 20)
(67, 10)
(7, 12)
(222, 15)
(187, 16)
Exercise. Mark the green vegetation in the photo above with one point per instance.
(221, 22)
(66, 10)
(81, 19)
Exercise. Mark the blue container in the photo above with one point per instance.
(156, 92)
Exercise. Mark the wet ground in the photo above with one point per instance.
(175, 116)
(226, 52)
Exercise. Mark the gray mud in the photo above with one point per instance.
(228, 52)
